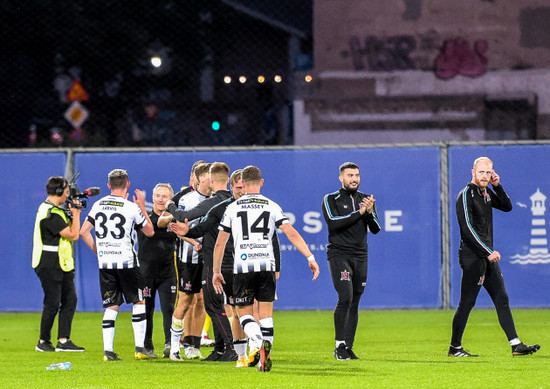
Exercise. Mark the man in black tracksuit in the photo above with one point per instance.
(156, 260)
(478, 259)
(349, 215)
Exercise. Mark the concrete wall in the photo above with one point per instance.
(412, 32)
(425, 70)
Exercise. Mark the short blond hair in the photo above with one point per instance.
(486, 159)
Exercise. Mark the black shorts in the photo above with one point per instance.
(256, 285)
(190, 278)
(118, 283)
(229, 297)
(179, 267)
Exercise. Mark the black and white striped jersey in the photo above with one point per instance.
(252, 220)
(184, 250)
(115, 220)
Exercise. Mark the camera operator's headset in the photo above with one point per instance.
(60, 189)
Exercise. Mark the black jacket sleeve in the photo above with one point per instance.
(499, 199)
(335, 221)
(464, 212)
(372, 221)
(200, 210)
(210, 221)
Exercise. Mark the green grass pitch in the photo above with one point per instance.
(398, 348)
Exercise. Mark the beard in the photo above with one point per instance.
(351, 189)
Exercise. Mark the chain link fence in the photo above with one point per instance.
(151, 72)
(119, 73)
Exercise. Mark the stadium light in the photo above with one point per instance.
(156, 61)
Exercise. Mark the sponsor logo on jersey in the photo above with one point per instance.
(114, 203)
(253, 246)
(108, 252)
(345, 276)
(108, 244)
(243, 257)
(257, 255)
(252, 201)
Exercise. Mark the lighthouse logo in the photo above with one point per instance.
(538, 243)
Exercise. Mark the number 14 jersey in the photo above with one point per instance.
(252, 220)
(114, 219)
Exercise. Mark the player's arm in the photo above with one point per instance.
(72, 231)
(180, 215)
(164, 220)
(210, 221)
(219, 248)
(372, 221)
(86, 234)
(335, 221)
(299, 242)
(500, 200)
(139, 198)
(464, 211)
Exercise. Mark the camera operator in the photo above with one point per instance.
(53, 261)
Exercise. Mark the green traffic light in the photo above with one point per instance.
(216, 125)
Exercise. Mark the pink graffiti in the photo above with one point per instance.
(457, 57)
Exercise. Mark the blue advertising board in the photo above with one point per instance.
(520, 235)
(23, 178)
(404, 258)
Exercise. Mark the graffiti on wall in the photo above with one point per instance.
(407, 52)
(457, 57)
(381, 54)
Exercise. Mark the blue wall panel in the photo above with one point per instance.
(405, 253)
(524, 173)
(23, 179)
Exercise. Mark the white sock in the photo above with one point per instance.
(176, 330)
(240, 347)
(266, 326)
(339, 342)
(252, 330)
(139, 324)
(109, 318)
(515, 342)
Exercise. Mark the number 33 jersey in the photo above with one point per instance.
(114, 219)
(252, 220)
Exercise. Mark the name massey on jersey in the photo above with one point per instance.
(252, 203)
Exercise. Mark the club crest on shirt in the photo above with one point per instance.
(345, 276)
(146, 292)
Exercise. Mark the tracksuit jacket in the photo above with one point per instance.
(347, 228)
